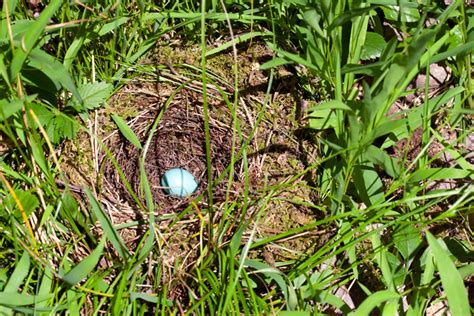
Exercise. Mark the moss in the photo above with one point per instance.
(184, 54)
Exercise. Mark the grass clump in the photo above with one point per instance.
(348, 186)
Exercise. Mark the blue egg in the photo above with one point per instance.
(179, 182)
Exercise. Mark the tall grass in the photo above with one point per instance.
(385, 250)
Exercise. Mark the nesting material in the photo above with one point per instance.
(178, 142)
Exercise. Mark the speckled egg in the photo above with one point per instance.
(179, 182)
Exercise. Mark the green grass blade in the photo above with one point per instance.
(466, 48)
(45, 287)
(126, 131)
(331, 105)
(382, 261)
(294, 313)
(293, 57)
(238, 40)
(9, 107)
(109, 231)
(9, 5)
(375, 300)
(440, 173)
(273, 274)
(452, 282)
(466, 271)
(17, 299)
(18, 276)
(83, 268)
(29, 40)
(368, 184)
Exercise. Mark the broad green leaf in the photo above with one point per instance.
(28, 200)
(126, 131)
(43, 114)
(17, 299)
(29, 40)
(61, 127)
(368, 184)
(467, 270)
(72, 306)
(72, 51)
(440, 174)
(375, 300)
(58, 125)
(453, 284)
(46, 283)
(93, 95)
(312, 17)
(109, 231)
(236, 240)
(428, 266)
(22, 268)
(330, 105)
(86, 266)
(399, 269)
(323, 119)
(70, 206)
(371, 69)
(20, 28)
(143, 296)
(407, 239)
(326, 297)
(113, 25)
(390, 308)
(323, 116)
(317, 57)
(405, 12)
(379, 157)
(8, 108)
(388, 127)
(382, 261)
(54, 70)
(373, 47)
(400, 73)
(273, 63)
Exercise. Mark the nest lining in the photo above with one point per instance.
(179, 141)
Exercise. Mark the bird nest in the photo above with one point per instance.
(179, 140)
